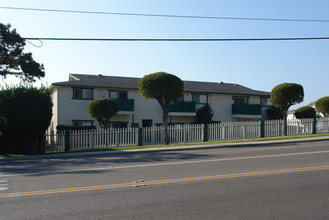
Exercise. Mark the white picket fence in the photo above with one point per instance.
(322, 125)
(186, 133)
(233, 130)
(54, 142)
(80, 140)
(102, 138)
(294, 127)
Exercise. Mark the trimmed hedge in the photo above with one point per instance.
(322, 105)
(72, 128)
(103, 109)
(25, 114)
(274, 113)
(305, 112)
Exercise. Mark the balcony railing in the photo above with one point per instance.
(125, 104)
(246, 109)
(183, 106)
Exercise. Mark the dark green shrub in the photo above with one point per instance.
(25, 114)
(274, 113)
(72, 128)
(204, 114)
(322, 105)
(64, 127)
(285, 95)
(165, 88)
(305, 112)
(103, 109)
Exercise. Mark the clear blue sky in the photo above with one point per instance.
(257, 65)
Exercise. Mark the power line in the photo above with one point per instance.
(167, 15)
(177, 39)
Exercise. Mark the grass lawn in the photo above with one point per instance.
(224, 141)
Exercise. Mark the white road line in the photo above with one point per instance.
(4, 186)
(269, 148)
(24, 166)
(167, 164)
(3, 182)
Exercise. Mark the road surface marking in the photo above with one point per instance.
(165, 164)
(168, 181)
(24, 166)
(3, 183)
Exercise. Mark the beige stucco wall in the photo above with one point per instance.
(66, 109)
(72, 109)
(222, 107)
(145, 109)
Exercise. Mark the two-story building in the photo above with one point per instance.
(230, 102)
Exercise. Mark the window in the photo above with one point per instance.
(119, 94)
(81, 93)
(180, 99)
(240, 100)
(200, 98)
(264, 101)
(82, 123)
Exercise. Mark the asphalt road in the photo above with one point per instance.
(276, 181)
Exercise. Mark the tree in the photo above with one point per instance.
(322, 105)
(103, 109)
(204, 114)
(12, 59)
(274, 113)
(305, 112)
(25, 115)
(285, 95)
(165, 88)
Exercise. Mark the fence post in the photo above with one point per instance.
(205, 132)
(117, 137)
(314, 131)
(140, 136)
(91, 138)
(67, 140)
(262, 129)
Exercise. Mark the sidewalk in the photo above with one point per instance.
(169, 148)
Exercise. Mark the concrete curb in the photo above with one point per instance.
(178, 148)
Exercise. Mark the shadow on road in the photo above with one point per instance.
(93, 164)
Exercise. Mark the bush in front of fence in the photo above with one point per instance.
(204, 114)
(305, 112)
(322, 105)
(25, 114)
(285, 95)
(60, 128)
(274, 113)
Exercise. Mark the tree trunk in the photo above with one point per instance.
(165, 126)
(284, 115)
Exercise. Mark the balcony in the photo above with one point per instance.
(125, 105)
(183, 108)
(247, 110)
